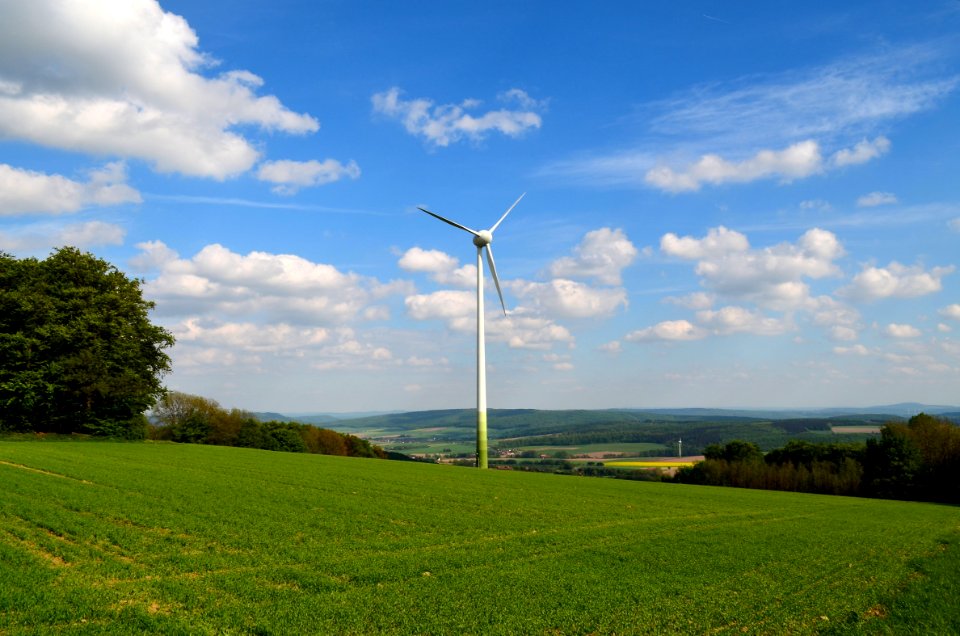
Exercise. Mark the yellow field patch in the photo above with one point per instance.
(640, 464)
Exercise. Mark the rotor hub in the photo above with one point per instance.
(484, 237)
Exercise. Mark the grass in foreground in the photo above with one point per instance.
(98, 538)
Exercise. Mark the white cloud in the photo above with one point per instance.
(955, 224)
(570, 299)
(951, 311)
(42, 237)
(862, 152)
(521, 331)
(876, 198)
(277, 287)
(799, 160)
(293, 175)
(944, 328)
(772, 276)
(841, 321)
(896, 330)
(126, 79)
(29, 192)
(668, 330)
(856, 350)
(613, 346)
(441, 267)
(602, 255)
(153, 256)
(444, 304)
(248, 336)
(717, 243)
(730, 320)
(449, 123)
(895, 281)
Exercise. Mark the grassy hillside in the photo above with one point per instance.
(104, 537)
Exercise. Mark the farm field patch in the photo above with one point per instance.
(106, 537)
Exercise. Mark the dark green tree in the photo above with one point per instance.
(78, 353)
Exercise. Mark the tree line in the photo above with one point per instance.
(191, 419)
(918, 460)
(78, 353)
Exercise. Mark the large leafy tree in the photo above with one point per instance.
(78, 352)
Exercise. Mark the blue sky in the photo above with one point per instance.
(744, 204)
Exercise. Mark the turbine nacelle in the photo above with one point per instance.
(482, 238)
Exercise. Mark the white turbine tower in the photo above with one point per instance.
(482, 240)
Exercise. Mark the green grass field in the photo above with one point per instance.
(112, 537)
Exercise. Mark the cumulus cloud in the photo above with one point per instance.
(613, 346)
(570, 299)
(718, 242)
(202, 343)
(449, 123)
(441, 267)
(42, 237)
(29, 192)
(601, 255)
(895, 281)
(731, 320)
(862, 152)
(668, 330)
(951, 311)
(218, 281)
(443, 304)
(797, 161)
(841, 321)
(896, 330)
(772, 276)
(520, 331)
(874, 199)
(855, 350)
(290, 176)
(125, 78)
(794, 162)
(249, 336)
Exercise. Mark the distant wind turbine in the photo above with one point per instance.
(482, 240)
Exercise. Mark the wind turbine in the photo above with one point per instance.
(482, 240)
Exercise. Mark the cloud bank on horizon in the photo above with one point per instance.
(758, 211)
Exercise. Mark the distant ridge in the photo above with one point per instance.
(316, 418)
(901, 409)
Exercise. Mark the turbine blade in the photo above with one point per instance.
(453, 223)
(494, 228)
(496, 281)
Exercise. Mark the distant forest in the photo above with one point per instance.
(918, 460)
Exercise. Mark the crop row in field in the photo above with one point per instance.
(102, 537)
